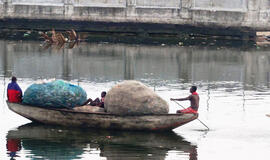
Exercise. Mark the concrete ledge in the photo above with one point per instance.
(100, 6)
(159, 3)
(218, 17)
(157, 15)
(39, 4)
(219, 9)
(37, 11)
(156, 7)
(97, 12)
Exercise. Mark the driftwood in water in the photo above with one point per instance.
(59, 39)
(262, 38)
(72, 35)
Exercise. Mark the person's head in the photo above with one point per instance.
(103, 94)
(13, 79)
(193, 89)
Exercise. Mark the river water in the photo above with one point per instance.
(233, 83)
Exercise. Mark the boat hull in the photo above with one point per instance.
(71, 118)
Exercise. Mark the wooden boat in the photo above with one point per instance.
(103, 120)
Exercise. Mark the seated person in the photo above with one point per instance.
(97, 101)
(194, 101)
(14, 92)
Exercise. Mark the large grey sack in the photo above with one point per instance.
(134, 98)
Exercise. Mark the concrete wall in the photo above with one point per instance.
(241, 14)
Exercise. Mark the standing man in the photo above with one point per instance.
(194, 101)
(14, 92)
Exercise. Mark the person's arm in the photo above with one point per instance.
(20, 90)
(88, 100)
(181, 99)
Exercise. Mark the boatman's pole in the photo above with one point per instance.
(197, 118)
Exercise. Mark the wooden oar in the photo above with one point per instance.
(197, 118)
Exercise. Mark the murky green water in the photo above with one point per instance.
(233, 83)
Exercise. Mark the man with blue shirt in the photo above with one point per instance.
(14, 92)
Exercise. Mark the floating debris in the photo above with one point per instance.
(72, 36)
(59, 39)
(262, 38)
(25, 34)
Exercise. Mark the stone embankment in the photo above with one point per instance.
(215, 17)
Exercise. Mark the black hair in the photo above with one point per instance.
(103, 94)
(13, 79)
(193, 88)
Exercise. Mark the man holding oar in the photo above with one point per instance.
(194, 101)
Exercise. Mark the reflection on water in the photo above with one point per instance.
(107, 62)
(13, 146)
(233, 84)
(51, 142)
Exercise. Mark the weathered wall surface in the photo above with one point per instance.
(241, 14)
